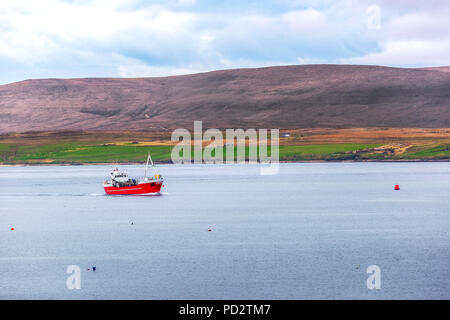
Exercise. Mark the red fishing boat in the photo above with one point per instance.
(121, 184)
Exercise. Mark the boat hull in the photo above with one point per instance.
(139, 189)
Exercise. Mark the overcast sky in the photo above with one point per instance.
(134, 38)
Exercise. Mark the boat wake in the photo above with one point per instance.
(51, 194)
(9, 195)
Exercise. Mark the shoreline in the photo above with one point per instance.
(170, 163)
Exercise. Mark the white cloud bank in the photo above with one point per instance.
(128, 38)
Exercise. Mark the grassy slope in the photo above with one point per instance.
(321, 151)
(81, 153)
(94, 152)
(439, 151)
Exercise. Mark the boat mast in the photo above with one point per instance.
(149, 158)
(146, 167)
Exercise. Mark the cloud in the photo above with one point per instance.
(64, 38)
(153, 38)
(419, 37)
(407, 53)
(301, 22)
(133, 68)
(421, 25)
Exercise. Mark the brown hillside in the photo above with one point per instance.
(307, 96)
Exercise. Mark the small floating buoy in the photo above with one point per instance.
(132, 223)
(396, 187)
(209, 230)
(94, 268)
(12, 229)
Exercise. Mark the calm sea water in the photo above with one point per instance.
(308, 232)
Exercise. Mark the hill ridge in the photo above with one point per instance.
(295, 96)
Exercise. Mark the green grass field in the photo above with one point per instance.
(440, 151)
(321, 151)
(81, 153)
(93, 152)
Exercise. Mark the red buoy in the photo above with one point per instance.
(209, 230)
(12, 229)
(397, 187)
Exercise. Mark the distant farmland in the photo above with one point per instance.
(301, 145)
